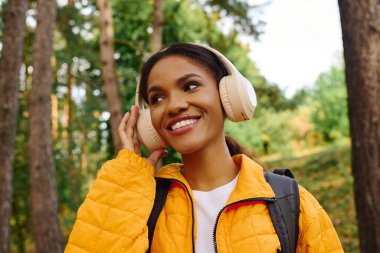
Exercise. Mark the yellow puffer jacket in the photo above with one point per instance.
(114, 214)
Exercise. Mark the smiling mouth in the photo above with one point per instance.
(183, 123)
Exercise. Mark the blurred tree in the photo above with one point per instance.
(69, 19)
(82, 141)
(10, 63)
(299, 98)
(21, 217)
(271, 96)
(46, 225)
(241, 12)
(329, 105)
(158, 13)
(20, 222)
(110, 80)
(361, 41)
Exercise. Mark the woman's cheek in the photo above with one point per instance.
(156, 120)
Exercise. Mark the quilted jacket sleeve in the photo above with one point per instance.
(114, 215)
(317, 233)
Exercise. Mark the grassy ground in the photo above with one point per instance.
(327, 175)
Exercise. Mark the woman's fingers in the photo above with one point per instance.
(121, 132)
(156, 155)
(129, 139)
(136, 144)
(127, 131)
(131, 124)
(123, 123)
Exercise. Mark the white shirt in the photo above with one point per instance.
(207, 206)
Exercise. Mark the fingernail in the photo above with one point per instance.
(126, 116)
(132, 107)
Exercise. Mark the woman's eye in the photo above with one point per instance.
(155, 99)
(190, 86)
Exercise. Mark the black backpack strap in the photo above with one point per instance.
(283, 172)
(285, 211)
(162, 189)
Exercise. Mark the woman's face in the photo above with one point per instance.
(184, 104)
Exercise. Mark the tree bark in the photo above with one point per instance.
(46, 227)
(110, 82)
(158, 20)
(361, 40)
(10, 63)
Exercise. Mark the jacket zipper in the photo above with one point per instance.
(192, 211)
(237, 202)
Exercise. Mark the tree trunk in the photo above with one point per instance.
(73, 170)
(10, 63)
(110, 82)
(54, 116)
(46, 227)
(361, 40)
(158, 19)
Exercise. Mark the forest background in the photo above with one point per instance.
(308, 132)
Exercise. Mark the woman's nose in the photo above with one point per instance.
(177, 104)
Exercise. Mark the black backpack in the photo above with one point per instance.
(284, 212)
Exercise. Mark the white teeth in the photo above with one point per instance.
(183, 123)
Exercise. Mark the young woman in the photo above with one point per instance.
(181, 86)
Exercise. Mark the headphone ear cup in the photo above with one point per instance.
(225, 97)
(147, 134)
(238, 97)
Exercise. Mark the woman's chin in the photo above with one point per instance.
(186, 149)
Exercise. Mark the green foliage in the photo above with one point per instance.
(275, 132)
(301, 97)
(271, 96)
(2, 5)
(241, 13)
(191, 20)
(246, 133)
(329, 103)
(77, 32)
(327, 175)
(20, 220)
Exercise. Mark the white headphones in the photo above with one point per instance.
(236, 93)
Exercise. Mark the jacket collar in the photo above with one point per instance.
(250, 184)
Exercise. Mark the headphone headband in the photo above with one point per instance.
(138, 99)
(238, 86)
(230, 67)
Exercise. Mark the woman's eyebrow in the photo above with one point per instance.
(187, 76)
(153, 88)
(179, 81)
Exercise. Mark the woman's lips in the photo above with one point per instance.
(182, 125)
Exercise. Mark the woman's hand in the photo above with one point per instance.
(128, 135)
